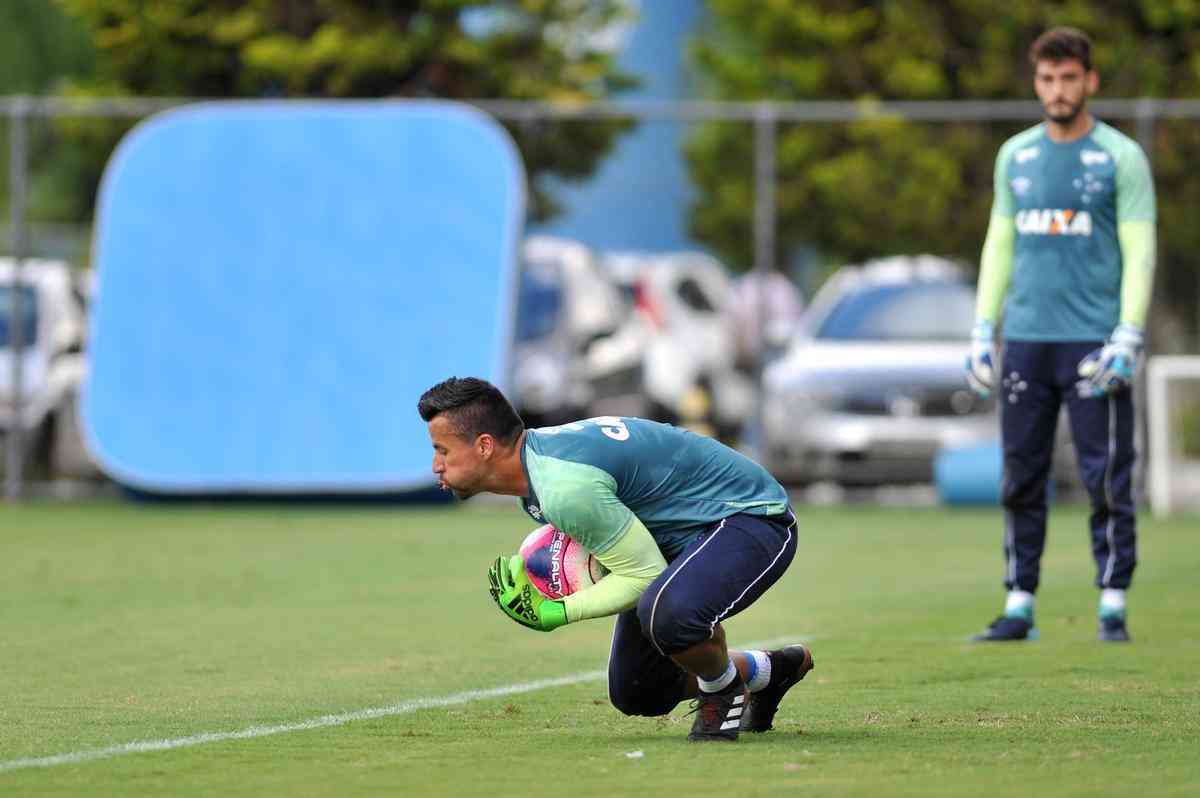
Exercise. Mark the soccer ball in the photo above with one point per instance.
(557, 565)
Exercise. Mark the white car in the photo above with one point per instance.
(683, 333)
(872, 386)
(565, 303)
(52, 365)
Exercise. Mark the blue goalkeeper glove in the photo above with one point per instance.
(1111, 368)
(519, 599)
(981, 362)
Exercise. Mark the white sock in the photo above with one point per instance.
(1019, 604)
(721, 682)
(1112, 602)
(761, 669)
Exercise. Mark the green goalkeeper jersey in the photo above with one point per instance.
(1070, 205)
(591, 477)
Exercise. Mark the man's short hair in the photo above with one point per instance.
(473, 407)
(1062, 44)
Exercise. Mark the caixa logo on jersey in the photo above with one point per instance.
(1054, 222)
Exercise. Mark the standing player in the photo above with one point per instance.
(1071, 245)
(691, 531)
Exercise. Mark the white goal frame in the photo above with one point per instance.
(1160, 370)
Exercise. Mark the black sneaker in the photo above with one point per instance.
(1007, 628)
(718, 715)
(1112, 630)
(788, 666)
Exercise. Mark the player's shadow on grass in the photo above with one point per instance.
(806, 735)
(791, 736)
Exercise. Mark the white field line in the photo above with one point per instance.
(340, 719)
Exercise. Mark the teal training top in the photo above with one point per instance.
(590, 478)
(1066, 201)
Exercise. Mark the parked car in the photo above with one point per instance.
(565, 304)
(682, 332)
(626, 334)
(872, 386)
(52, 366)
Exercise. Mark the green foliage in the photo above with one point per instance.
(1187, 422)
(887, 186)
(39, 45)
(456, 49)
(40, 48)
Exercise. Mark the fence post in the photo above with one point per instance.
(18, 119)
(1145, 113)
(765, 123)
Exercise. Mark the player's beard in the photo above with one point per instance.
(463, 491)
(460, 493)
(1060, 118)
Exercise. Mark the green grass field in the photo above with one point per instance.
(123, 624)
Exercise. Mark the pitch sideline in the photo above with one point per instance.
(339, 719)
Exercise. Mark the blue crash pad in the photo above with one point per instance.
(279, 282)
(969, 474)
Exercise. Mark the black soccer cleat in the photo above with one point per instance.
(1007, 628)
(1112, 630)
(719, 715)
(788, 666)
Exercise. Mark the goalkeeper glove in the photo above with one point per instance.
(519, 599)
(981, 368)
(1111, 367)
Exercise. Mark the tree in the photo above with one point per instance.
(39, 48)
(887, 186)
(456, 49)
(39, 45)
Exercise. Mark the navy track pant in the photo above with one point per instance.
(1036, 378)
(722, 572)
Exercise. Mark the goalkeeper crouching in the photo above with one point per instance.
(691, 531)
(1069, 255)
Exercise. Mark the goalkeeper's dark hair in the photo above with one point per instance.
(1062, 44)
(473, 407)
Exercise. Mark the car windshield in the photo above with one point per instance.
(28, 316)
(539, 304)
(929, 311)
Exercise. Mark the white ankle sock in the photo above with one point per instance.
(721, 682)
(1019, 604)
(761, 668)
(1112, 602)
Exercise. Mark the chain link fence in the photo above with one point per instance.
(36, 127)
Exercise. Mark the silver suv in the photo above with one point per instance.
(872, 387)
